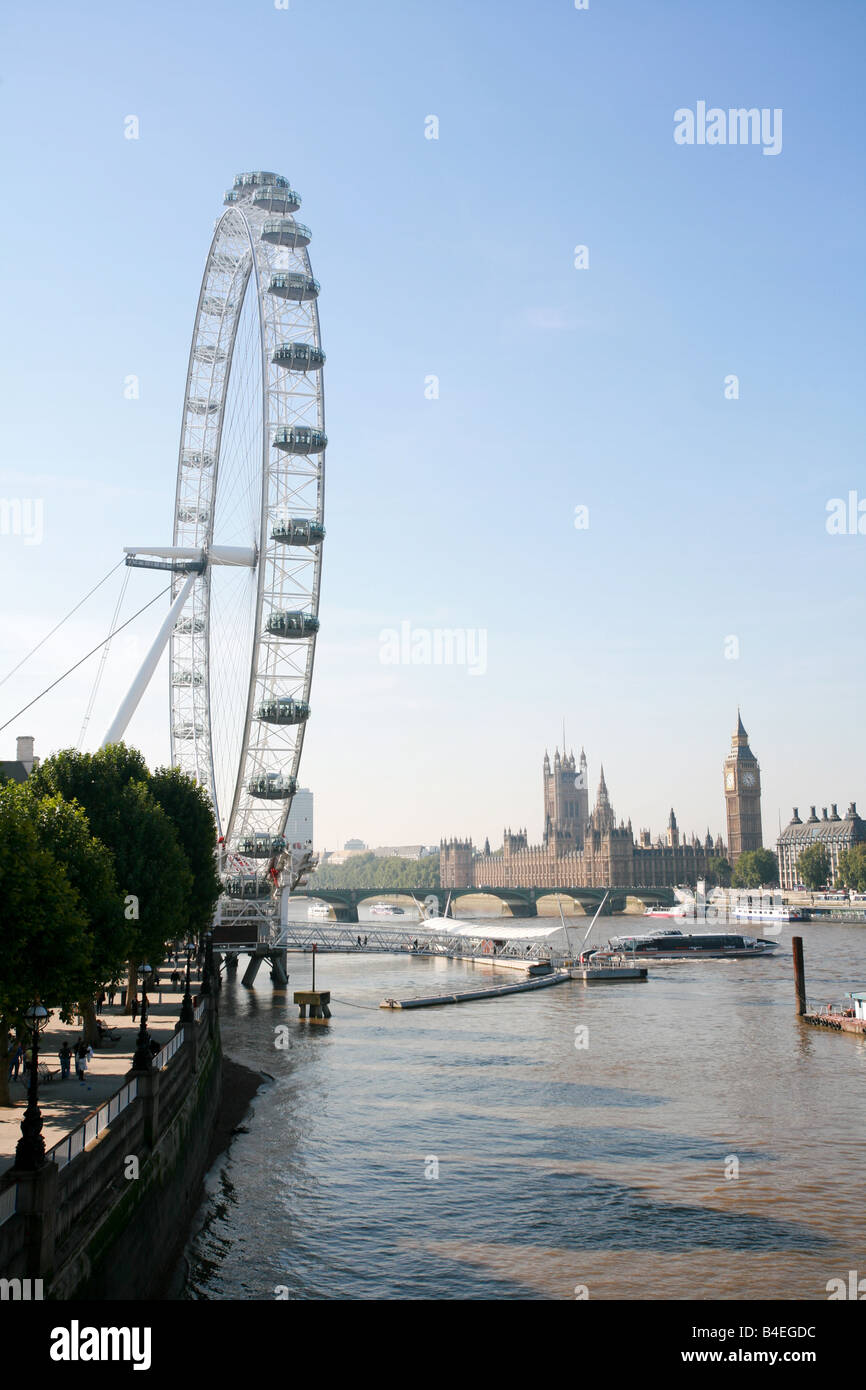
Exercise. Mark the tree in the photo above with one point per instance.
(852, 868)
(813, 866)
(718, 871)
(188, 807)
(44, 944)
(112, 787)
(373, 871)
(63, 829)
(756, 868)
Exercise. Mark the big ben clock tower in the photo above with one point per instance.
(742, 795)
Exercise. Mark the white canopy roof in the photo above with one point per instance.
(493, 930)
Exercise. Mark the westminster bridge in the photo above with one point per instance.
(516, 902)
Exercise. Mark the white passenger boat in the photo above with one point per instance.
(676, 945)
(387, 910)
(767, 914)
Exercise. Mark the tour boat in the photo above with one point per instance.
(768, 914)
(387, 910)
(318, 910)
(676, 945)
(678, 910)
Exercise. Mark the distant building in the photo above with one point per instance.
(354, 844)
(21, 768)
(402, 851)
(742, 796)
(836, 833)
(299, 826)
(579, 850)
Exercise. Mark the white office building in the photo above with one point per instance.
(299, 829)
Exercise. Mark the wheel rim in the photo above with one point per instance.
(241, 656)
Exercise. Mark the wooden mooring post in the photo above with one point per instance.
(799, 974)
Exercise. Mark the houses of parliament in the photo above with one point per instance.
(590, 849)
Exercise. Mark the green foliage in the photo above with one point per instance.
(852, 868)
(112, 787)
(813, 866)
(45, 947)
(757, 868)
(188, 807)
(63, 830)
(718, 872)
(369, 871)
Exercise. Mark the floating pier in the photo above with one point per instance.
(607, 974)
(847, 1017)
(537, 982)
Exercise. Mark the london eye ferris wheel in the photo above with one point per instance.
(247, 523)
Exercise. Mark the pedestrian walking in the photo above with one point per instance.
(81, 1061)
(134, 1008)
(65, 1055)
(15, 1062)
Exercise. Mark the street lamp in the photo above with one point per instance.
(187, 1014)
(143, 1059)
(207, 970)
(30, 1150)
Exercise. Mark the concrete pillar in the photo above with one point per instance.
(251, 971)
(37, 1204)
(148, 1094)
(279, 970)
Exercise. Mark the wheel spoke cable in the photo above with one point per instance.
(92, 651)
(102, 660)
(11, 673)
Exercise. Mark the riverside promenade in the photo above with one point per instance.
(66, 1104)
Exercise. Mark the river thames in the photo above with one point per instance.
(704, 1144)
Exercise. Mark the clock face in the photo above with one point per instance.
(729, 781)
(748, 779)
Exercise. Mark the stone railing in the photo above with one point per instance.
(78, 1139)
(84, 1173)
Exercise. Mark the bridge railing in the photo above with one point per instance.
(334, 936)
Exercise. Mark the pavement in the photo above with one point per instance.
(66, 1104)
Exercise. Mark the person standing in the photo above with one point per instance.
(81, 1061)
(15, 1062)
(65, 1055)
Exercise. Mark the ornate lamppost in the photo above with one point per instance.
(187, 1014)
(143, 1058)
(30, 1150)
(207, 970)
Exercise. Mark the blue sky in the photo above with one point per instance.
(559, 387)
